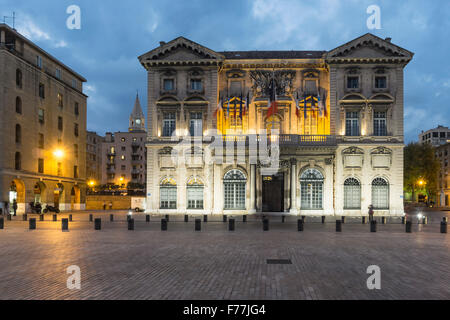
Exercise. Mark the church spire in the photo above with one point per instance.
(137, 119)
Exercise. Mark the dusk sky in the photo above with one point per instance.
(113, 34)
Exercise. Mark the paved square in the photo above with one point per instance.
(217, 264)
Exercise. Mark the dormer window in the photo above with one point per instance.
(168, 85)
(352, 82)
(380, 82)
(196, 84)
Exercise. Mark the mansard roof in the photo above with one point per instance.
(368, 47)
(243, 55)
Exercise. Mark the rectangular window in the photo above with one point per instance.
(352, 124)
(168, 197)
(435, 134)
(168, 85)
(352, 82)
(41, 141)
(169, 123)
(41, 90)
(77, 109)
(75, 150)
(59, 168)
(123, 168)
(58, 74)
(74, 83)
(75, 172)
(379, 124)
(380, 82)
(39, 62)
(196, 84)
(75, 129)
(60, 100)
(195, 197)
(196, 124)
(41, 165)
(60, 123)
(41, 116)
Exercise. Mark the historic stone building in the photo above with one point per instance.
(332, 143)
(93, 157)
(443, 155)
(42, 127)
(123, 154)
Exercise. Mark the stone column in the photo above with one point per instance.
(252, 188)
(294, 209)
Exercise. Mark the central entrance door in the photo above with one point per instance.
(273, 193)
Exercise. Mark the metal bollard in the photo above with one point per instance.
(198, 225)
(186, 218)
(383, 220)
(163, 225)
(111, 218)
(205, 218)
(408, 227)
(25, 217)
(147, 218)
(266, 225)
(443, 227)
(231, 225)
(364, 220)
(283, 218)
(300, 225)
(403, 220)
(338, 225)
(167, 218)
(224, 218)
(131, 224)
(65, 224)
(91, 217)
(32, 224)
(41, 217)
(55, 217)
(244, 218)
(8, 217)
(373, 226)
(70, 218)
(343, 219)
(2, 223)
(98, 224)
(425, 220)
(323, 219)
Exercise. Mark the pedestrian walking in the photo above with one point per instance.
(15, 207)
(110, 205)
(371, 213)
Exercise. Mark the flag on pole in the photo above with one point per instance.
(228, 105)
(247, 104)
(273, 99)
(297, 106)
(304, 102)
(240, 107)
(320, 104)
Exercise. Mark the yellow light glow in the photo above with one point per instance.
(121, 179)
(421, 182)
(58, 153)
(92, 183)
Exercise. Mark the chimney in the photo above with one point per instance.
(388, 39)
(161, 43)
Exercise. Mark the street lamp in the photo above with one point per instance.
(58, 153)
(92, 183)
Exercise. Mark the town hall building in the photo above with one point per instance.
(297, 132)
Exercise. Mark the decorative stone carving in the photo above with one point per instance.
(262, 82)
(353, 150)
(381, 150)
(328, 161)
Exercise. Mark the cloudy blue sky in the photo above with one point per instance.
(114, 33)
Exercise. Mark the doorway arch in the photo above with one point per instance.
(58, 195)
(17, 193)
(39, 191)
(75, 198)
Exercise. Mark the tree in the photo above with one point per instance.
(421, 164)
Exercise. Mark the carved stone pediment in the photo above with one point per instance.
(368, 46)
(353, 150)
(381, 150)
(236, 74)
(263, 80)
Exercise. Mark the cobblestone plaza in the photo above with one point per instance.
(148, 263)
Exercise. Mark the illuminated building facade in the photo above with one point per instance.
(298, 132)
(42, 127)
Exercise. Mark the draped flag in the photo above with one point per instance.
(297, 106)
(247, 104)
(304, 102)
(272, 100)
(320, 104)
(219, 107)
(228, 105)
(240, 107)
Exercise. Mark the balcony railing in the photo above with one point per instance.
(285, 139)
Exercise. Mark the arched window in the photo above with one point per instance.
(234, 185)
(18, 161)
(18, 133)
(311, 182)
(380, 194)
(168, 194)
(195, 193)
(19, 78)
(352, 194)
(18, 105)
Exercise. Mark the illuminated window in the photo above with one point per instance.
(234, 183)
(60, 100)
(169, 124)
(311, 182)
(379, 124)
(196, 124)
